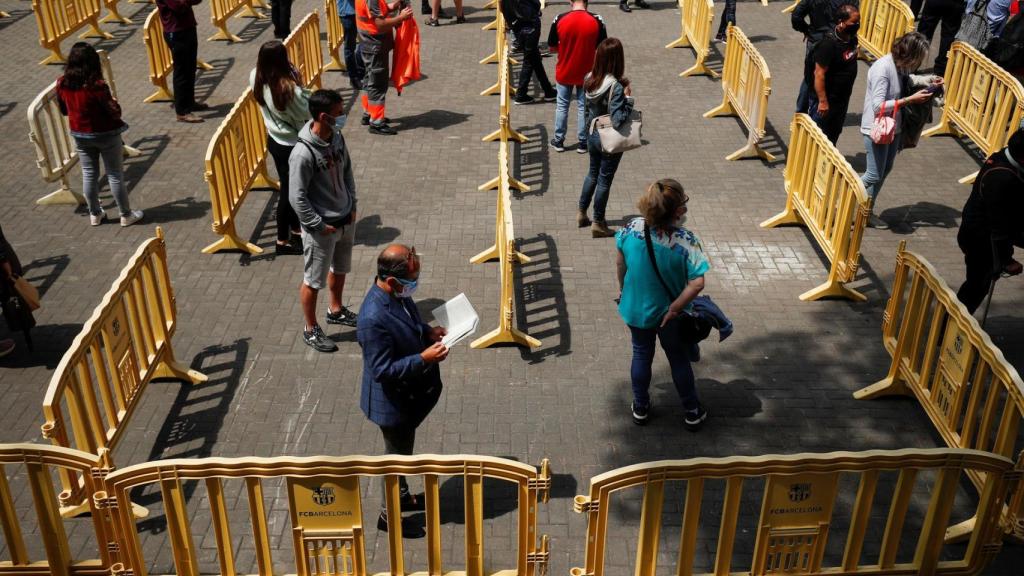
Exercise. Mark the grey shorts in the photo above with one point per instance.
(326, 252)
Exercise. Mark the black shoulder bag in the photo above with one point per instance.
(691, 328)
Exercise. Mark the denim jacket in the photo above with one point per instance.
(609, 98)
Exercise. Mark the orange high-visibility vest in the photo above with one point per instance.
(364, 20)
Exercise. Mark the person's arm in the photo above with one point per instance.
(350, 180)
(798, 19)
(300, 171)
(692, 289)
(602, 30)
(553, 35)
(620, 268)
(997, 13)
(620, 106)
(383, 363)
(819, 88)
(878, 88)
(382, 22)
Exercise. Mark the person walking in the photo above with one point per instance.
(94, 117)
(814, 19)
(888, 79)
(523, 17)
(179, 22)
(728, 17)
(574, 36)
(624, 5)
(322, 192)
(281, 17)
(436, 13)
(950, 13)
(993, 222)
(350, 40)
(376, 40)
(284, 104)
(832, 73)
(661, 267)
(401, 378)
(608, 91)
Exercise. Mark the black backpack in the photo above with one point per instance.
(1008, 49)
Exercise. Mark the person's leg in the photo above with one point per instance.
(563, 93)
(590, 182)
(286, 17)
(952, 16)
(978, 260)
(112, 150)
(179, 55)
(526, 70)
(435, 9)
(915, 7)
(89, 158)
(609, 164)
(581, 122)
(354, 67)
(459, 15)
(532, 49)
(876, 164)
(376, 87)
(191, 55)
(930, 17)
(679, 363)
(640, 368)
(399, 440)
(318, 253)
(341, 265)
(728, 17)
(285, 213)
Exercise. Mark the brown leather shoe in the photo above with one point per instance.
(582, 220)
(600, 229)
(190, 118)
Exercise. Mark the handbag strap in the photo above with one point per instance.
(654, 262)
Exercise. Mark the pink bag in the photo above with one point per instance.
(883, 130)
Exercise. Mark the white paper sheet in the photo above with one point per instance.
(458, 317)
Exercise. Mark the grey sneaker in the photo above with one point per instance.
(876, 222)
(345, 317)
(317, 340)
(131, 218)
(97, 219)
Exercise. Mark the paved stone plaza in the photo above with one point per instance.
(781, 384)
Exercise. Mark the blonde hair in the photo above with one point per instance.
(661, 201)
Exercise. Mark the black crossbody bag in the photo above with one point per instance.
(690, 327)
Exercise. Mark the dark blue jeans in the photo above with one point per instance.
(728, 17)
(598, 182)
(678, 360)
(353, 64)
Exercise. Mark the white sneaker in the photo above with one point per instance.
(97, 219)
(133, 217)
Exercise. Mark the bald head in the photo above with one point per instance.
(397, 261)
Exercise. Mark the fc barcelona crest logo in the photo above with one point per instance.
(799, 492)
(115, 326)
(958, 344)
(323, 496)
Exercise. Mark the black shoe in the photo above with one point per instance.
(366, 120)
(517, 48)
(581, 147)
(410, 529)
(288, 249)
(556, 145)
(640, 413)
(460, 19)
(521, 101)
(432, 22)
(413, 502)
(345, 317)
(551, 97)
(642, 4)
(317, 340)
(694, 419)
(624, 7)
(382, 129)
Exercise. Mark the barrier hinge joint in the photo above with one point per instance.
(120, 570)
(540, 559)
(992, 548)
(113, 547)
(100, 472)
(585, 506)
(1014, 475)
(542, 484)
(103, 502)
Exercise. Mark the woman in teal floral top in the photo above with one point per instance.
(645, 304)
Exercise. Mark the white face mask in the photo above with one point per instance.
(339, 121)
(681, 221)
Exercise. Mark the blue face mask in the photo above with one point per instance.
(408, 287)
(339, 122)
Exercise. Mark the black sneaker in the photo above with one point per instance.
(382, 129)
(640, 413)
(366, 120)
(412, 502)
(317, 340)
(521, 101)
(410, 528)
(581, 147)
(624, 7)
(432, 22)
(642, 4)
(345, 317)
(551, 97)
(556, 145)
(287, 249)
(694, 419)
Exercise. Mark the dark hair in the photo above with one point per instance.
(845, 12)
(909, 50)
(273, 70)
(83, 67)
(322, 101)
(394, 263)
(660, 202)
(1016, 146)
(610, 59)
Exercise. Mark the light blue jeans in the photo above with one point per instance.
(562, 113)
(111, 148)
(880, 161)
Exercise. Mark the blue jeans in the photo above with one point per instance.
(678, 361)
(111, 148)
(728, 17)
(598, 182)
(353, 64)
(562, 113)
(880, 161)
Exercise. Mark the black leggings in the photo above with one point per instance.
(287, 220)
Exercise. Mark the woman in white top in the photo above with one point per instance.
(888, 81)
(285, 106)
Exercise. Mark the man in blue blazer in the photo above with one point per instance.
(401, 353)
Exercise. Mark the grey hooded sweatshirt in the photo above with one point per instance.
(321, 187)
(609, 98)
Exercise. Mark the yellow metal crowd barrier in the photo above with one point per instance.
(55, 148)
(236, 162)
(881, 23)
(789, 9)
(125, 344)
(805, 501)
(325, 508)
(825, 194)
(697, 16)
(221, 10)
(984, 102)
(113, 15)
(746, 85)
(304, 51)
(335, 36)
(503, 88)
(59, 20)
(161, 62)
(34, 465)
(942, 357)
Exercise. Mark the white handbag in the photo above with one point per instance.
(618, 140)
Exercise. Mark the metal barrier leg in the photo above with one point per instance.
(832, 288)
(95, 32)
(63, 196)
(131, 151)
(335, 63)
(751, 150)
(248, 11)
(492, 59)
(229, 240)
(492, 25)
(784, 218)
(699, 69)
(502, 336)
(171, 368)
(202, 65)
(55, 57)
(162, 94)
(791, 7)
(224, 34)
(114, 16)
(680, 42)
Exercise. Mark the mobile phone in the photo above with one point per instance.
(934, 89)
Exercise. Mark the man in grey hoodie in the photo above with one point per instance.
(323, 194)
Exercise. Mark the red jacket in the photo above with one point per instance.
(91, 109)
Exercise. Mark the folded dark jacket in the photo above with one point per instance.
(706, 309)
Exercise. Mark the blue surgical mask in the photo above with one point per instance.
(408, 287)
(339, 121)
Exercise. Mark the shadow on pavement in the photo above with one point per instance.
(541, 305)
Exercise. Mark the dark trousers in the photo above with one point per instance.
(981, 271)
(915, 7)
(598, 183)
(528, 36)
(352, 62)
(287, 220)
(184, 45)
(397, 440)
(728, 17)
(832, 123)
(281, 16)
(949, 13)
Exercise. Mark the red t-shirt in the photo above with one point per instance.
(574, 37)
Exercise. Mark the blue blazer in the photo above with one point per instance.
(398, 387)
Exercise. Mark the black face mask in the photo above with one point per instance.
(852, 29)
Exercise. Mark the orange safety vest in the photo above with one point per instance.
(364, 20)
